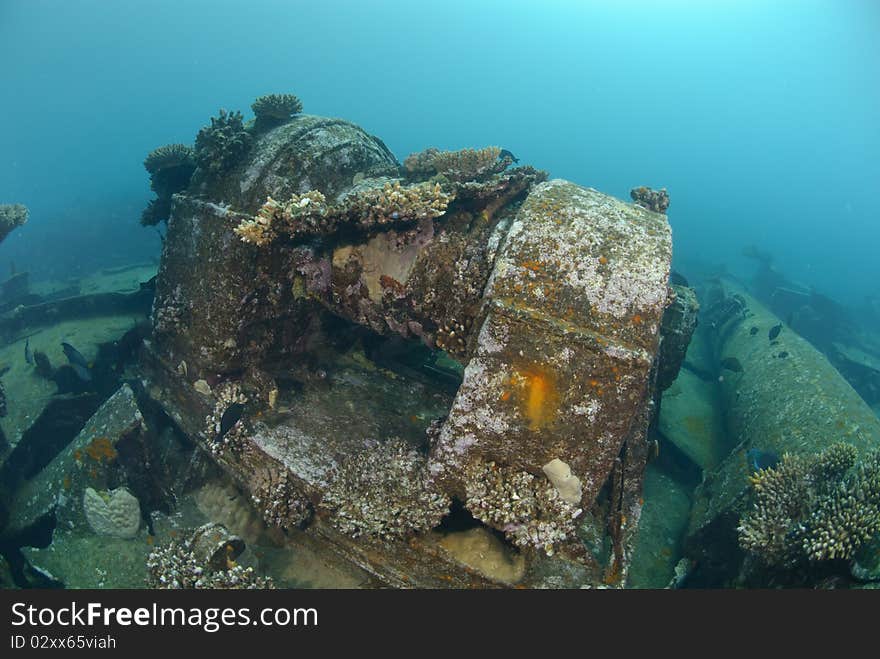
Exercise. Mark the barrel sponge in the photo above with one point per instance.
(277, 106)
(115, 513)
(813, 508)
(11, 216)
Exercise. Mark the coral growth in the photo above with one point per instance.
(421, 164)
(813, 508)
(384, 491)
(458, 166)
(310, 214)
(178, 565)
(529, 510)
(222, 145)
(170, 168)
(655, 200)
(471, 164)
(275, 109)
(11, 216)
(225, 426)
(169, 156)
(157, 210)
(282, 505)
(171, 312)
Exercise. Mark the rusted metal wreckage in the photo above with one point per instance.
(548, 294)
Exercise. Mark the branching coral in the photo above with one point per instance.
(169, 156)
(220, 146)
(529, 510)
(813, 508)
(310, 214)
(11, 216)
(466, 165)
(421, 164)
(171, 168)
(471, 164)
(274, 109)
(385, 491)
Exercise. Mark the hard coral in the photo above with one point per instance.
(276, 108)
(171, 168)
(470, 164)
(655, 200)
(11, 216)
(169, 156)
(421, 164)
(310, 214)
(220, 146)
(529, 510)
(385, 491)
(813, 508)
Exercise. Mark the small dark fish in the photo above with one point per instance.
(774, 331)
(678, 279)
(732, 364)
(28, 355)
(82, 372)
(759, 459)
(73, 355)
(230, 417)
(753, 331)
(783, 354)
(505, 154)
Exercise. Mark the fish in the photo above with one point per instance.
(783, 354)
(774, 331)
(759, 459)
(732, 364)
(73, 355)
(28, 355)
(505, 154)
(753, 331)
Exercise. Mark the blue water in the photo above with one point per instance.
(759, 117)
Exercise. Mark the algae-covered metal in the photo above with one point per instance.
(786, 397)
(550, 294)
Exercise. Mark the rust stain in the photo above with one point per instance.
(101, 449)
(541, 397)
